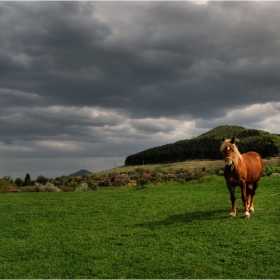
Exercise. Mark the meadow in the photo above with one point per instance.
(172, 231)
(210, 165)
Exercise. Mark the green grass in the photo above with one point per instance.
(186, 165)
(160, 232)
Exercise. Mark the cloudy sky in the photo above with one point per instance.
(85, 84)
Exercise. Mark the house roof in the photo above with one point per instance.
(121, 177)
(80, 178)
(147, 176)
(13, 189)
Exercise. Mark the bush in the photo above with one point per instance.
(139, 170)
(92, 185)
(120, 183)
(143, 182)
(180, 180)
(82, 187)
(4, 186)
(199, 174)
(48, 187)
(69, 186)
(29, 189)
(65, 188)
(275, 174)
(72, 185)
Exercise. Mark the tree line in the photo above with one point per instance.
(207, 146)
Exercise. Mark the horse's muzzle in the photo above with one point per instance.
(230, 166)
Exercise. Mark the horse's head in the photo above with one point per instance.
(228, 149)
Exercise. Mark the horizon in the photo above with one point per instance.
(116, 166)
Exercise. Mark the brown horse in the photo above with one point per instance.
(241, 170)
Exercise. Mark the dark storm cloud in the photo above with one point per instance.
(180, 54)
(101, 79)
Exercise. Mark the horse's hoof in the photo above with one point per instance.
(232, 215)
(247, 216)
(252, 210)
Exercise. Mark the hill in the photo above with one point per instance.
(78, 173)
(206, 146)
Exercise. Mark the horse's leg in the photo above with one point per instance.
(249, 196)
(245, 198)
(232, 198)
(255, 185)
(252, 209)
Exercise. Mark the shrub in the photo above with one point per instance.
(4, 186)
(69, 186)
(72, 185)
(83, 186)
(199, 174)
(158, 176)
(219, 171)
(180, 180)
(267, 172)
(181, 170)
(139, 170)
(275, 174)
(120, 183)
(49, 187)
(29, 189)
(92, 185)
(142, 182)
(65, 188)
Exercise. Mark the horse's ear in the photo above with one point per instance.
(223, 139)
(232, 141)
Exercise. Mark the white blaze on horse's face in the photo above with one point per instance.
(228, 155)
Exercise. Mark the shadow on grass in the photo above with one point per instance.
(185, 218)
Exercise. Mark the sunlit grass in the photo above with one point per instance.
(178, 231)
(186, 165)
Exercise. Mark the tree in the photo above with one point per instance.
(19, 182)
(27, 180)
(41, 180)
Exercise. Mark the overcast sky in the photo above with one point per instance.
(85, 84)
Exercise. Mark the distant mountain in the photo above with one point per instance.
(79, 173)
(207, 146)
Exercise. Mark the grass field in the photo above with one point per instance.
(186, 165)
(180, 231)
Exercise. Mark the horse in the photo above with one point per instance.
(244, 170)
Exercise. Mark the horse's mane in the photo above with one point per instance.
(237, 156)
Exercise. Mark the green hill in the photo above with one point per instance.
(207, 145)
